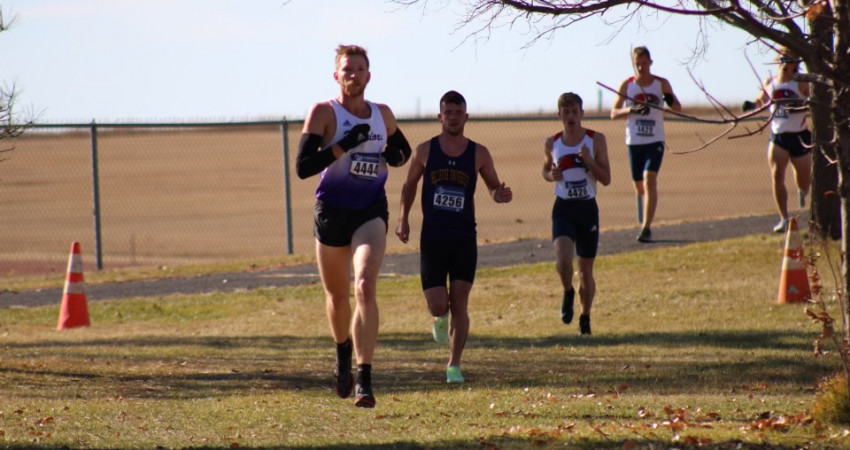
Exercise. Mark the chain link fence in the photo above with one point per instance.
(168, 194)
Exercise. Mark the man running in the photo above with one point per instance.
(575, 159)
(350, 141)
(450, 164)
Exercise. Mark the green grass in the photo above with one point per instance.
(689, 349)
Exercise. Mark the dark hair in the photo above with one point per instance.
(350, 50)
(638, 51)
(569, 98)
(452, 97)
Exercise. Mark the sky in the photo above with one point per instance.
(233, 60)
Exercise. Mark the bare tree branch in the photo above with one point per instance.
(10, 125)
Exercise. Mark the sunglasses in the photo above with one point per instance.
(788, 60)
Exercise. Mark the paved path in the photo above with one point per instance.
(490, 255)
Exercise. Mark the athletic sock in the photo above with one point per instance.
(639, 202)
(343, 352)
(364, 374)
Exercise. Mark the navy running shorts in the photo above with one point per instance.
(335, 227)
(455, 259)
(579, 221)
(796, 144)
(645, 158)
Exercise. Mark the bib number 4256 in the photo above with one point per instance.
(449, 199)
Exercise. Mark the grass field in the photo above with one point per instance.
(689, 350)
(175, 196)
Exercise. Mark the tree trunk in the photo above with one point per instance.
(825, 206)
(842, 149)
(842, 131)
(840, 111)
(825, 203)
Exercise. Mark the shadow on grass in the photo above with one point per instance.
(490, 442)
(204, 367)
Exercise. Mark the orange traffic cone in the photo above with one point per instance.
(74, 311)
(794, 281)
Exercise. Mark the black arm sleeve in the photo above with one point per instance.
(312, 158)
(398, 150)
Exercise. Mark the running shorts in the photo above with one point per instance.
(579, 221)
(796, 144)
(455, 259)
(645, 158)
(335, 227)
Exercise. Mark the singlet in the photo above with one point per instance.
(785, 121)
(448, 194)
(578, 182)
(357, 179)
(646, 129)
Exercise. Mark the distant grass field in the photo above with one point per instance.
(689, 350)
(171, 196)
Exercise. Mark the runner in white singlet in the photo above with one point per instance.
(790, 138)
(641, 99)
(575, 159)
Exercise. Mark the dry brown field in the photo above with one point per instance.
(170, 196)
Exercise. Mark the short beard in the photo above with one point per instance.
(353, 90)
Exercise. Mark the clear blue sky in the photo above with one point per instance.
(126, 60)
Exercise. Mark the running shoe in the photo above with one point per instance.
(344, 380)
(567, 305)
(584, 324)
(440, 329)
(453, 374)
(781, 226)
(364, 398)
(645, 235)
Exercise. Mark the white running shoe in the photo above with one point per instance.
(781, 227)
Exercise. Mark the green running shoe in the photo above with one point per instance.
(440, 329)
(453, 375)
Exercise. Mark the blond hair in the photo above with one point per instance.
(349, 51)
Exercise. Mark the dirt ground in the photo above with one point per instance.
(172, 195)
(500, 254)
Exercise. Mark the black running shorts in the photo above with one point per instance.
(334, 227)
(455, 259)
(796, 144)
(579, 221)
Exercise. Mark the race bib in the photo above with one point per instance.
(365, 165)
(449, 198)
(645, 127)
(576, 189)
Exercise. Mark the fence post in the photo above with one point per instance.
(287, 192)
(96, 190)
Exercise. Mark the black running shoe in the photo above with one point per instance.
(344, 380)
(364, 398)
(644, 236)
(567, 305)
(584, 324)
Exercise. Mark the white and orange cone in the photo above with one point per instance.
(74, 311)
(794, 280)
